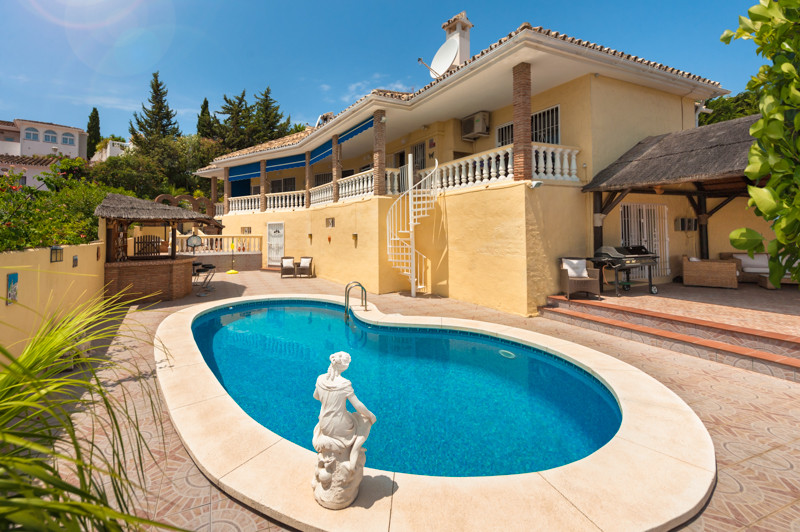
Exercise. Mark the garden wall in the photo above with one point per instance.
(44, 288)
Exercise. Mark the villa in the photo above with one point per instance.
(518, 131)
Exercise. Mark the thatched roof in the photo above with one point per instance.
(706, 153)
(119, 207)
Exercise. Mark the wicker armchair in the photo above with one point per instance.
(287, 267)
(571, 284)
(304, 268)
(710, 272)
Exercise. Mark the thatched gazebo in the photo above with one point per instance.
(160, 272)
(700, 163)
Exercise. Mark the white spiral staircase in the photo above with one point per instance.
(403, 216)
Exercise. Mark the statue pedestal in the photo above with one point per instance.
(335, 486)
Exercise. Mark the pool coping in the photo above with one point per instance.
(656, 472)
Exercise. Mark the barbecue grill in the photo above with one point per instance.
(624, 259)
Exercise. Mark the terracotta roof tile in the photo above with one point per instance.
(288, 140)
(462, 17)
(26, 160)
(6, 123)
(50, 124)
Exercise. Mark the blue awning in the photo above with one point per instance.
(320, 152)
(245, 171)
(284, 163)
(355, 130)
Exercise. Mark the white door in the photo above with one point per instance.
(274, 243)
(646, 225)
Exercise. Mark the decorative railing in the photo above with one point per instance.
(244, 203)
(479, 169)
(394, 185)
(358, 185)
(221, 244)
(284, 201)
(219, 209)
(322, 194)
(279, 201)
(551, 161)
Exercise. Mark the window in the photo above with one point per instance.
(419, 156)
(254, 190)
(545, 128)
(321, 179)
(282, 185)
(348, 173)
(31, 133)
(247, 230)
(22, 180)
(68, 139)
(505, 134)
(365, 168)
(50, 136)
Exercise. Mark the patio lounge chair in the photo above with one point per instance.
(576, 277)
(304, 268)
(287, 267)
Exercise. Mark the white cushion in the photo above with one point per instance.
(305, 262)
(759, 260)
(755, 270)
(575, 267)
(288, 263)
(694, 259)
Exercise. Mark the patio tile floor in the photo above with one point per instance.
(752, 418)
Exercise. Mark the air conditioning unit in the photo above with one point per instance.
(686, 224)
(475, 126)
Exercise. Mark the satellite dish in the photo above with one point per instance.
(444, 58)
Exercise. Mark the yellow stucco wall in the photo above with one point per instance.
(622, 114)
(46, 288)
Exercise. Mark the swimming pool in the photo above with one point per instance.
(449, 403)
(656, 472)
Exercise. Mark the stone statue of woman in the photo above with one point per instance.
(339, 437)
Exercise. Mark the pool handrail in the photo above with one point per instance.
(353, 284)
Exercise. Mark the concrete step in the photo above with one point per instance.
(762, 351)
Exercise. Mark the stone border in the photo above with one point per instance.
(655, 473)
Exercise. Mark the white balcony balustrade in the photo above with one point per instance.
(244, 203)
(322, 194)
(394, 185)
(357, 186)
(551, 161)
(284, 201)
(219, 209)
(221, 244)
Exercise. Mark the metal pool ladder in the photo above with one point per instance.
(353, 284)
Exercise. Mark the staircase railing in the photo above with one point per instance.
(403, 216)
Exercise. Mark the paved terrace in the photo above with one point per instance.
(752, 418)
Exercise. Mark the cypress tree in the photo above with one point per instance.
(205, 124)
(157, 121)
(236, 130)
(93, 129)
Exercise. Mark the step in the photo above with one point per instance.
(781, 366)
(769, 341)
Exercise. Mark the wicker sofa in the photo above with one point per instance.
(720, 273)
(750, 270)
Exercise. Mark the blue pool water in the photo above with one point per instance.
(448, 403)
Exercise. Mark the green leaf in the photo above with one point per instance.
(759, 13)
(765, 199)
(726, 36)
(774, 129)
(747, 239)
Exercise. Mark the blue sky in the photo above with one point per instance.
(68, 56)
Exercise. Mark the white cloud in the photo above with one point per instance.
(362, 88)
(21, 78)
(108, 102)
(325, 87)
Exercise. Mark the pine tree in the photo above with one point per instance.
(268, 123)
(205, 124)
(236, 129)
(156, 122)
(93, 129)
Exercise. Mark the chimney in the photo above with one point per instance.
(458, 28)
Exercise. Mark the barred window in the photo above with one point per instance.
(321, 179)
(545, 128)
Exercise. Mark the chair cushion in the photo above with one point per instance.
(575, 267)
(759, 260)
(287, 263)
(755, 270)
(305, 262)
(694, 259)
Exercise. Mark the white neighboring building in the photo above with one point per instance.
(112, 149)
(30, 167)
(29, 138)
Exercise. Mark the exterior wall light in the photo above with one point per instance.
(56, 254)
